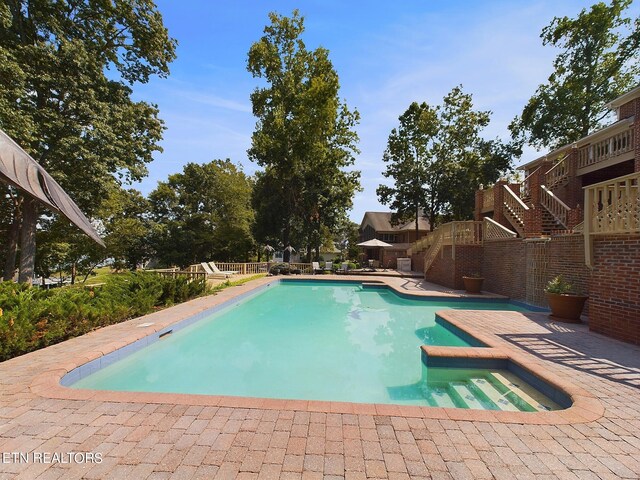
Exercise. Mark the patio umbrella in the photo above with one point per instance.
(269, 248)
(374, 242)
(19, 169)
(289, 249)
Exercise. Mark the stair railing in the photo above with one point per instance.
(515, 210)
(557, 175)
(556, 207)
(492, 230)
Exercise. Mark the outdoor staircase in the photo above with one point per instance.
(514, 210)
(433, 250)
(554, 206)
(550, 224)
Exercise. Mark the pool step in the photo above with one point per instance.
(526, 392)
(494, 395)
(440, 397)
(466, 396)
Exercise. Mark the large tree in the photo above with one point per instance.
(598, 61)
(203, 214)
(304, 137)
(437, 159)
(67, 68)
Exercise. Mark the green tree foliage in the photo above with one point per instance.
(346, 237)
(202, 214)
(58, 103)
(598, 61)
(410, 164)
(437, 159)
(304, 138)
(128, 226)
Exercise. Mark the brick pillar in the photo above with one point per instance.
(533, 217)
(533, 221)
(575, 216)
(477, 213)
(498, 204)
(516, 188)
(573, 190)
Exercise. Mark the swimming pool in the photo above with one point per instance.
(312, 340)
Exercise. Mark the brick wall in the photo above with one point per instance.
(614, 287)
(515, 267)
(417, 262)
(521, 268)
(627, 110)
(448, 272)
(442, 269)
(504, 267)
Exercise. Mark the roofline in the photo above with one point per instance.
(625, 98)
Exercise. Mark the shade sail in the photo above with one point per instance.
(19, 169)
(374, 242)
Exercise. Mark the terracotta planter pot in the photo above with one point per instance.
(565, 307)
(472, 284)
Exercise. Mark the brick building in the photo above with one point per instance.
(577, 213)
(378, 225)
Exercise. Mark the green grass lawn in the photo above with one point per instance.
(101, 276)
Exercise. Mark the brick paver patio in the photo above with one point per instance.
(208, 437)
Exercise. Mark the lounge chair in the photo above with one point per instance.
(217, 270)
(315, 266)
(328, 266)
(211, 274)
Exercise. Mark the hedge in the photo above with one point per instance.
(31, 318)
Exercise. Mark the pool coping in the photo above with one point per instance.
(585, 407)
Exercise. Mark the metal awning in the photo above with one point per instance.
(19, 169)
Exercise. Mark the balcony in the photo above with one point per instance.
(611, 208)
(617, 146)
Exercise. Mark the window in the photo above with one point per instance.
(389, 237)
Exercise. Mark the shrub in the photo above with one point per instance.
(559, 286)
(31, 318)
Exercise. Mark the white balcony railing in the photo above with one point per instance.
(611, 207)
(613, 146)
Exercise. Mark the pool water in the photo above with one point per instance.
(303, 340)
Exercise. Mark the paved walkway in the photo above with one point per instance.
(159, 440)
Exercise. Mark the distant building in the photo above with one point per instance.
(378, 225)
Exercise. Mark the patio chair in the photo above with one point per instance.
(217, 270)
(328, 266)
(315, 266)
(211, 274)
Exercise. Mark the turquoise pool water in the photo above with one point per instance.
(300, 340)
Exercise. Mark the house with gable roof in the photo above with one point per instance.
(378, 225)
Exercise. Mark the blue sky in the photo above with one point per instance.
(387, 54)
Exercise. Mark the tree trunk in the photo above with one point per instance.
(417, 218)
(12, 246)
(28, 240)
(74, 273)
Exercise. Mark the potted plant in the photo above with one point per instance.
(473, 282)
(564, 304)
